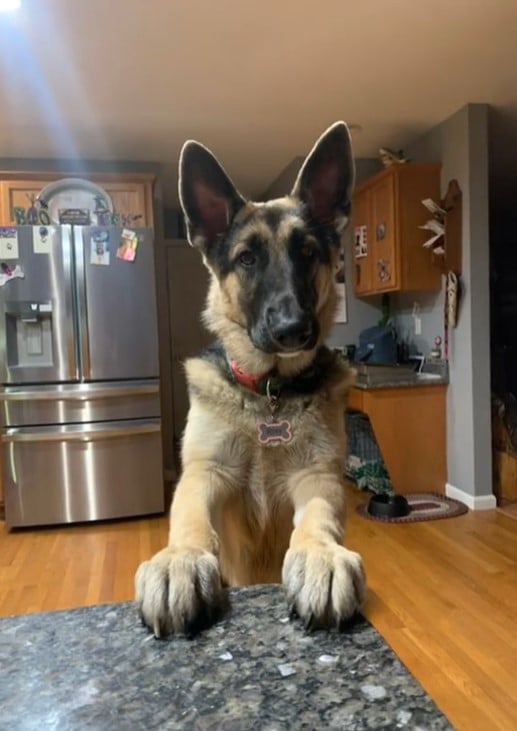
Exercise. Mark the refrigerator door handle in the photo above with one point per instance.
(82, 307)
(68, 267)
(89, 395)
(114, 431)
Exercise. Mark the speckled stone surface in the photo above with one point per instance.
(98, 668)
(371, 377)
(411, 381)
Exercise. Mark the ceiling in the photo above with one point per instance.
(256, 82)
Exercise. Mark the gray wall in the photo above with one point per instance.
(360, 313)
(460, 143)
(430, 307)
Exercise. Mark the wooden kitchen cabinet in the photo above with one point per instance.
(130, 198)
(362, 265)
(129, 193)
(386, 215)
(17, 194)
(409, 424)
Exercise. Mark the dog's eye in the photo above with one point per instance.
(247, 258)
(308, 251)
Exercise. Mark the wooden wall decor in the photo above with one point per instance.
(451, 261)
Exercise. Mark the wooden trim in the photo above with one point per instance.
(26, 175)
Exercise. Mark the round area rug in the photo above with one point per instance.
(422, 506)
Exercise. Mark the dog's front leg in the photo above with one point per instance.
(179, 590)
(324, 581)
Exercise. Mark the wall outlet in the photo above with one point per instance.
(418, 325)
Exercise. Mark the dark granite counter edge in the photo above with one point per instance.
(402, 383)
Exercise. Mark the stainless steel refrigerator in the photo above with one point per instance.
(79, 372)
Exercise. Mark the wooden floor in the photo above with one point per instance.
(509, 508)
(443, 594)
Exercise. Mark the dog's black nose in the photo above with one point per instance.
(290, 332)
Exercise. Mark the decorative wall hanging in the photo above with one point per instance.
(360, 241)
(446, 228)
(35, 214)
(74, 194)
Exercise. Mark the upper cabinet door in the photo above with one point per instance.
(387, 214)
(17, 194)
(362, 243)
(383, 246)
(131, 199)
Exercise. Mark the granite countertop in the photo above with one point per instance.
(415, 381)
(98, 668)
(375, 377)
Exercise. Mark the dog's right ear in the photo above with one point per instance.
(208, 197)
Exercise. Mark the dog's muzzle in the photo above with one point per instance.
(290, 333)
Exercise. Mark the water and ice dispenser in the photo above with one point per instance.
(28, 334)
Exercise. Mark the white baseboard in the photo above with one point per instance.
(474, 502)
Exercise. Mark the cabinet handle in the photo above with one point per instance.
(380, 231)
(358, 274)
(383, 270)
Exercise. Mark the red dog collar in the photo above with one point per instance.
(245, 379)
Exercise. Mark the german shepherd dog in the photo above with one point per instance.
(261, 496)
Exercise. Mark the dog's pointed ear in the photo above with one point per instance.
(326, 179)
(208, 197)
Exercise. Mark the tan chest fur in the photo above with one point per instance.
(256, 519)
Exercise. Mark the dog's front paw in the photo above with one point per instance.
(179, 590)
(325, 583)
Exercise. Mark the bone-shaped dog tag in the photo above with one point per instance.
(274, 432)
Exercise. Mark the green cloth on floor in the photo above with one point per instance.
(364, 463)
(371, 475)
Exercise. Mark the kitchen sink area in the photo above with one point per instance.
(395, 376)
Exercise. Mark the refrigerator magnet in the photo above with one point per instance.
(7, 273)
(42, 239)
(8, 243)
(99, 252)
(128, 245)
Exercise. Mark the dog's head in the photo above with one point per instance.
(272, 263)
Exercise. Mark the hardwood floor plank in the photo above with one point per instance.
(106, 592)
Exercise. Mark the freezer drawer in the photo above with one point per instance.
(78, 473)
(79, 403)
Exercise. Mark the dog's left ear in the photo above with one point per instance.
(208, 197)
(326, 178)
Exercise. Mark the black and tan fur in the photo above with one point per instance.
(244, 513)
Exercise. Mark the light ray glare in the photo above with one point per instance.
(24, 76)
(9, 5)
